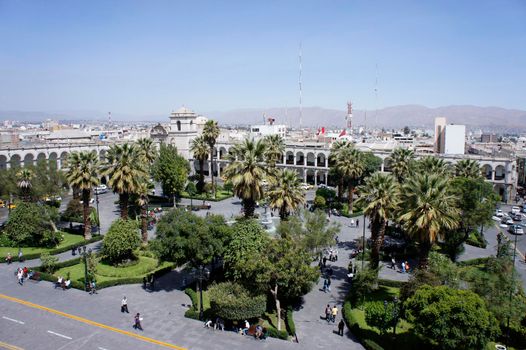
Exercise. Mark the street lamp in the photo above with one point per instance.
(363, 243)
(202, 274)
(98, 216)
(84, 255)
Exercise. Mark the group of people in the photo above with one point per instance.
(136, 319)
(22, 274)
(63, 283)
(9, 257)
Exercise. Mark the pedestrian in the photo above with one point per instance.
(403, 267)
(337, 239)
(407, 267)
(9, 258)
(124, 305)
(349, 267)
(20, 277)
(93, 287)
(335, 254)
(354, 270)
(325, 285)
(334, 313)
(393, 262)
(328, 313)
(330, 271)
(341, 325)
(137, 319)
(20, 255)
(329, 283)
(357, 222)
(324, 261)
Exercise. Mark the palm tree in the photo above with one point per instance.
(468, 168)
(199, 148)
(336, 148)
(433, 165)
(379, 198)
(287, 195)
(246, 172)
(351, 165)
(142, 201)
(210, 134)
(427, 211)
(83, 174)
(24, 183)
(147, 150)
(401, 161)
(125, 171)
(275, 146)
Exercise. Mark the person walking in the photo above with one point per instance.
(20, 255)
(9, 259)
(393, 262)
(328, 313)
(403, 267)
(357, 223)
(341, 325)
(329, 283)
(325, 285)
(137, 319)
(93, 287)
(20, 277)
(124, 305)
(334, 313)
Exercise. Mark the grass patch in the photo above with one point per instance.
(69, 241)
(220, 195)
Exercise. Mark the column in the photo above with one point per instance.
(304, 175)
(325, 175)
(492, 175)
(316, 178)
(382, 166)
(218, 169)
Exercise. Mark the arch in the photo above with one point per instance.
(487, 171)
(309, 178)
(300, 158)
(29, 159)
(320, 160)
(52, 159)
(64, 159)
(41, 158)
(103, 180)
(222, 152)
(3, 162)
(15, 161)
(178, 125)
(500, 172)
(311, 159)
(289, 157)
(500, 190)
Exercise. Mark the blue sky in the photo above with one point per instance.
(149, 57)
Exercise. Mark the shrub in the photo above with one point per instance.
(26, 224)
(121, 240)
(231, 301)
(289, 321)
(73, 212)
(371, 345)
(193, 297)
(380, 316)
(274, 333)
(319, 202)
(49, 262)
(326, 193)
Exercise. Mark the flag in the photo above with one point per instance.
(343, 133)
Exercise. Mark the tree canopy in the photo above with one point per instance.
(171, 170)
(121, 240)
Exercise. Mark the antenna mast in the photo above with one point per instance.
(299, 81)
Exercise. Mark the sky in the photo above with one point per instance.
(150, 57)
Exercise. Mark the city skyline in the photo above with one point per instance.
(150, 59)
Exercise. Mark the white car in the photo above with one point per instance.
(91, 201)
(305, 186)
(499, 213)
(101, 189)
(515, 210)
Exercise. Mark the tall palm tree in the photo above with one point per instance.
(433, 165)
(211, 133)
(125, 170)
(379, 198)
(83, 174)
(142, 201)
(73, 162)
(427, 211)
(199, 149)
(401, 160)
(246, 172)
(336, 148)
(351, 165)
(147, 150)
(468, 168)
(24, 183)
(275, 146)
(286, 195)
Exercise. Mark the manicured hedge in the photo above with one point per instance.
(56, 251)
(391, 283)
(274, 333)
(473, 262)
(371, 345)
(289, 321)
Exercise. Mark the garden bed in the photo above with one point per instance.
(220, 195)
(69, 242)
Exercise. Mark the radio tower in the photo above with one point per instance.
(299, 81)
(109, 118)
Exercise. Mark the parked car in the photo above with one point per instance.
(305, 186)
(517, 217)
(507, 221)
(499, 213)
(101, 189)
(515, 210)
(516, 229)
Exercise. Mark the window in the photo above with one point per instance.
(178, 125)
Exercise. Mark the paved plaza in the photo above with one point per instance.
(103, 326)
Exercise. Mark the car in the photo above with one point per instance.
(91, 201)
(101, 189)
(507, 221)
(515, 210)
(517, 217)
(499, 213)
(305, 186)
(11, 206)
(2, 204)
(516, 229)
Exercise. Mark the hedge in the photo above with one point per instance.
(391, 283)
(56, 251)
(193, 297)
(289, 321)
(371, 345)
(473, 262)
(274, 333)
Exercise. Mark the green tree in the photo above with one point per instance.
(231, 301)
(468, 168)
(351, 165)
(147, 151)
(28, 224)
(380, 316)
(83, 174)
(171, 170)
(379, 198)
(49, 262)
(450, 318)
(125, 168)
(246, 171)
(191, 189)
(275, 146)
(287, 195)
(364, 282)
(428, 209)
(199, 149)
(49, 182)
(185, 237)
(401, 162)
(120, 241)
(335, 171)
(319, 202)
(433, 166)
(371, 163)
(210, 134)
(24, 182)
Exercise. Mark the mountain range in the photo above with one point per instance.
(389, 117)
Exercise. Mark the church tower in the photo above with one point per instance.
(183, 130)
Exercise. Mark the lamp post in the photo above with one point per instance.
(395, 316)
(202, 274)
(84, 255)
(98, 216)
(363, 242)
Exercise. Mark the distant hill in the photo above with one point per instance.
(390, 117)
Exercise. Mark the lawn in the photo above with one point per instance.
(69, 240)
(220, 195)
(107, 273)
